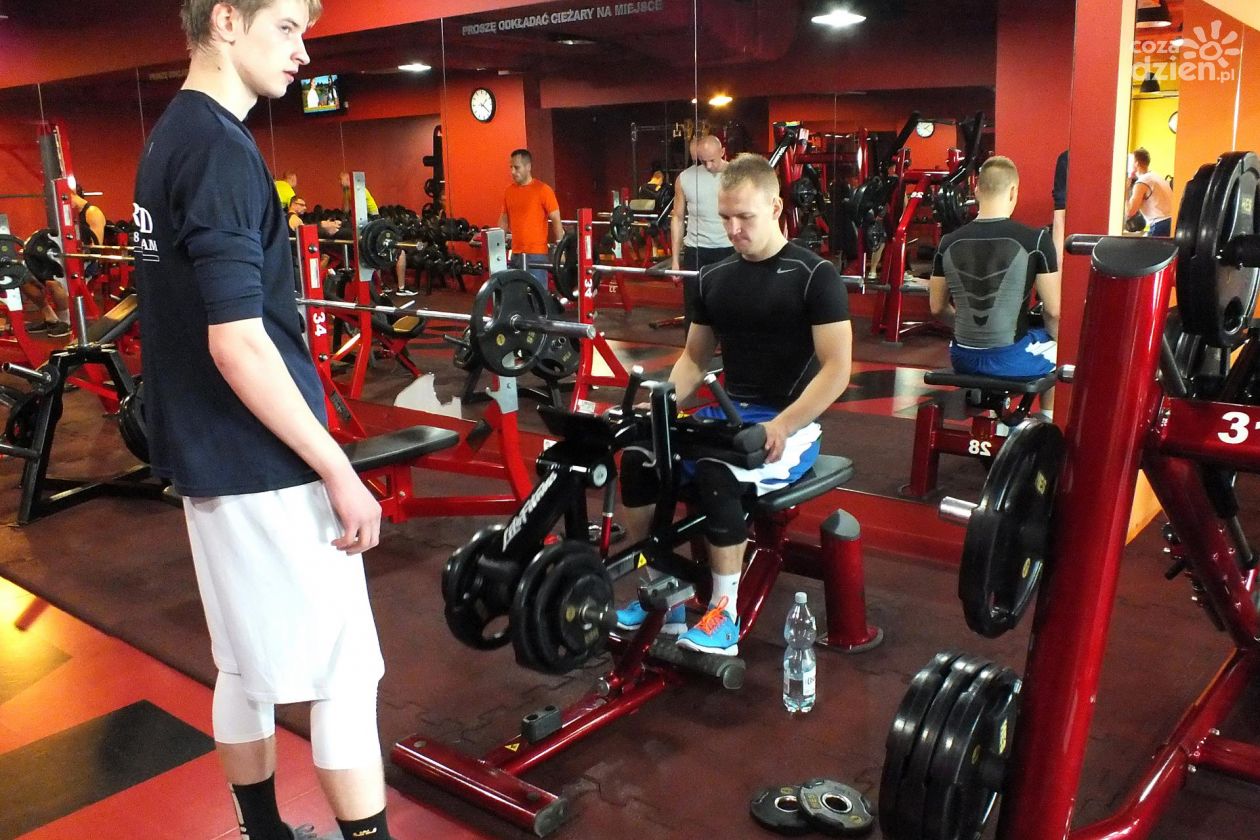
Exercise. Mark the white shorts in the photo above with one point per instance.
(286, 611)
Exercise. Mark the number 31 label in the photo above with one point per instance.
(1240, 426)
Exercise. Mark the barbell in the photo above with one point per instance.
(510, 333)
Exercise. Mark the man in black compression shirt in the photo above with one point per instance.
(277, 517)
(987, 268)
(781, 316)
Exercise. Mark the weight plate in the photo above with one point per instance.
(804, 193)
(523, 599)
(904, 732)
(969, 767)
(564, 266)
(378, 244)
(1216, 297)
(561, 596)
(559, 359)
(1008, 538)
(42, 255)
(472, 599)
(779, 809)
(10, 248)
(835, 809)
(621, 224)
(13, 275)
(501, 345)
(131, 422)
(912, 786)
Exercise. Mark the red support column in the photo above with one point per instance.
(1116, 395)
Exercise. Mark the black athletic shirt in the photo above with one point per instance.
(212, 247)
(762, 313)
(990, 265)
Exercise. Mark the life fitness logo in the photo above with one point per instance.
(1203, 55)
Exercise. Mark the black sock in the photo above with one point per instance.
(372, 828)
(257, 811)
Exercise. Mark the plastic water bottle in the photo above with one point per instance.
(800, 668)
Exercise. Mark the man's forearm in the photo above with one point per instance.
(819, 394)
(258, 376)
(676, 232)
(1052, 325)
(686, 377)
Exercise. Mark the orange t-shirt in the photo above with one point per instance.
(527, 208)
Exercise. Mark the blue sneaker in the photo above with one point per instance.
(716, 633)
(633, 616)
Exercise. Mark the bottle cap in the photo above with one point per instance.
(800, 597)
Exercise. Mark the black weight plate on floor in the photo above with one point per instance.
(835, 809)
(778, 809)
(968, 770)
(904, 732)
(912, 790)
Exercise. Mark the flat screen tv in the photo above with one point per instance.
(321, 94)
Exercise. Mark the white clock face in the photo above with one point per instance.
(925, 129)
(1172, 122)
(482, 104)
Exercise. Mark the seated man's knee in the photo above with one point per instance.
(639, 486)
(720, 498)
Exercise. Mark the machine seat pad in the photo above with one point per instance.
(947, 376)
(828, 473)
(398, 447)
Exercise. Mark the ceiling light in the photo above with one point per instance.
(1152, 14)
(415, 67)
(719, 100)
(838, 18)
(693, 100)
(572, 40)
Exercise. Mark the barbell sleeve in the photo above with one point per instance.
(957, 511)
(575, 329)
(35, 377)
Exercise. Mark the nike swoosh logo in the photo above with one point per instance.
(783, 271)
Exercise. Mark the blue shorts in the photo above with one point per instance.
(1028, 358)
(798, 458)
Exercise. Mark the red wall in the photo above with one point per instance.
(1034, 88)
(19, 166)
(477, 153)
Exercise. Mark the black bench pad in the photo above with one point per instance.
(398, 447)
(829, 472)
(946, 376)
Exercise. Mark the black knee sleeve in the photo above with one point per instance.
(720, 497)
(639, 485)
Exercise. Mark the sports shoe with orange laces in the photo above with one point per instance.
(716, 632)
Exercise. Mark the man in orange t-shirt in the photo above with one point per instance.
(529, 209)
